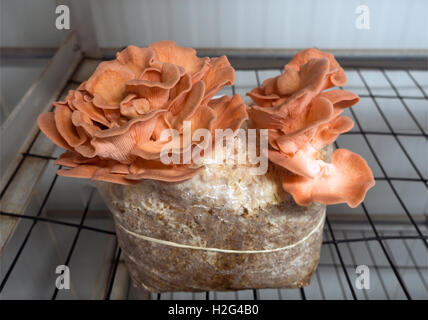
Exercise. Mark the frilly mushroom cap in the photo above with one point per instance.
(346, 179)
(111, 125)
(302, 118)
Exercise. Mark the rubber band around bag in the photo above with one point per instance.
(178, 245)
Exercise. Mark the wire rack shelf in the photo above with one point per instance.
(390, 239)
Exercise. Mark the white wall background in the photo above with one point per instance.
(394, 24)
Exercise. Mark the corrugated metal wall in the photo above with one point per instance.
(394, 24)
(26, 23)
(329, 24)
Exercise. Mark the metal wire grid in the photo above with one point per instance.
(337, 246)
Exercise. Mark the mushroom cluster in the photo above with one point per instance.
(302, 117)
(111, 125)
